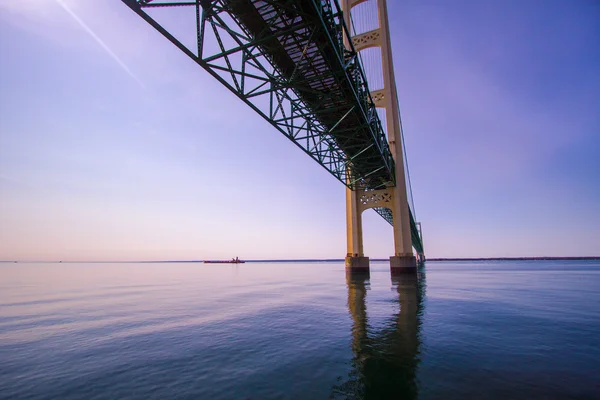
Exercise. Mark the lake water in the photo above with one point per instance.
(487, 330)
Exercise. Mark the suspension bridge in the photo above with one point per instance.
(299, 65)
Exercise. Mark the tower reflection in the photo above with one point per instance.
(385, 360)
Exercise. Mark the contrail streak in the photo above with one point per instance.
(99, 41)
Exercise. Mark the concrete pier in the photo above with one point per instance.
(357, 265)
(400, 265)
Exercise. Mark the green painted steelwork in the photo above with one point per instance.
(293, 62)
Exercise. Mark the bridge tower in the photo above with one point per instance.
(393, 198)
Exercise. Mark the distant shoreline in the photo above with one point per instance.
(517, 259)
(312, 260)
(447, 259)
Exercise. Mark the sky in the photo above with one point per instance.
(114, 145)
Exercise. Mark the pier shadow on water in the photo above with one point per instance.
(385, 359)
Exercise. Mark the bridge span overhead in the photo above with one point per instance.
(297, 64)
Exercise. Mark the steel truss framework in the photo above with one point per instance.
(293, 62)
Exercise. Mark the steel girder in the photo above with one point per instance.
(289, 61)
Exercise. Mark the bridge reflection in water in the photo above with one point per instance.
(385, 360)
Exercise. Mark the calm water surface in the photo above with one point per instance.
(505, 330)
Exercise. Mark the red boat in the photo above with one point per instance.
(232, 261)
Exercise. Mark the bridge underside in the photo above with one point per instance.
(289, 61)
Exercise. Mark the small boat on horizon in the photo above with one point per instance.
(235, 260)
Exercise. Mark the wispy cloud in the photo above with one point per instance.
(102, 44)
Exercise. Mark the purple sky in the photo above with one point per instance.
(114, 145)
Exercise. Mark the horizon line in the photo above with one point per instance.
(434, 259)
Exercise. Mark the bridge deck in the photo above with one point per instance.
(310, 63)
(293, 62)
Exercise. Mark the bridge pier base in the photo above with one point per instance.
(357, 265)
(400, 265)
